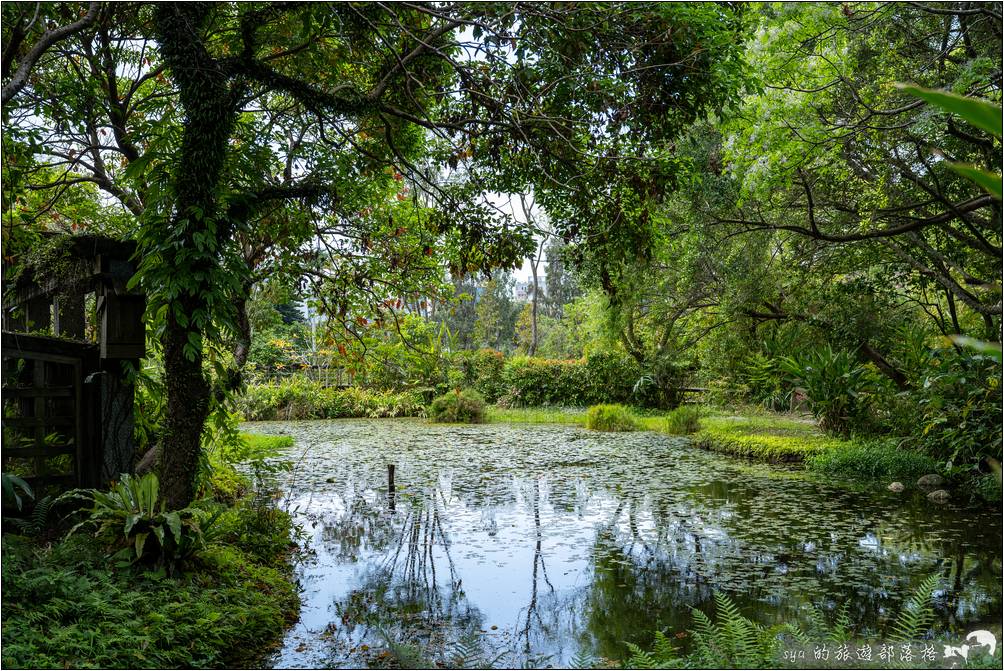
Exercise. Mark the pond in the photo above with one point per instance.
(543, 545)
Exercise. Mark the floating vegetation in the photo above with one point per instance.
(552, 542)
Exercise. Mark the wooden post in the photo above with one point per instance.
(390, 486)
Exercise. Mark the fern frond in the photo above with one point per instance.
(917, 613)
(584, 660)
(639, 659)
(663, 647)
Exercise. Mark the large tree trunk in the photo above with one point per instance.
(187, 408)
(191, 263)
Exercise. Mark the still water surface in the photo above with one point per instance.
(534, 544)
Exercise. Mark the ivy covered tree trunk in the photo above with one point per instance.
(188, 242)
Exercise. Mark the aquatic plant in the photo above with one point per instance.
(610, 417)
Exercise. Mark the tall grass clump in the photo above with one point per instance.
(875, 459)
(609, 417)
(684, 420)
(458, 407)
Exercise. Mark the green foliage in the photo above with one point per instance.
(916, 615)
(259, 445)
(763, 438)
(987, 486)
(482, 371)
(979, 113)
(535, 382)
(521, 381)
(255, 524)
(301, 398)
(609, 417)
(132, 518)
(64, 607)
(37, 522)
(958, 401)
(458, 406)
(877, 459)
(837, 386)
(535, 415)
(732, 639)
(13, 488)
(684, 420)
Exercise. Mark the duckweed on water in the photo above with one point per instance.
(572, 542)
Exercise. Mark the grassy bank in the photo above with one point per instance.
(766, 438)
(68, 604)
(755, 434)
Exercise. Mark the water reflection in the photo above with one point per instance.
(532, 544)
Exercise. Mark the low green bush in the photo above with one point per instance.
(65, 607)
(463, 407)
(535, 415)
(876, 459)
(302, 398)
(684, 420)
(262, 445)
(609, 417)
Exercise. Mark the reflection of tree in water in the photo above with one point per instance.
(530, 619)
(364, 525)
(641, 584)
(413, 596)
(652, 564)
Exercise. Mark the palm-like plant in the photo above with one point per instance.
(133, 516)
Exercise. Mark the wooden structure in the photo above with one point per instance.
(72, 333)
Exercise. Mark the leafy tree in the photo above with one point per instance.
(561, 285)
(228, 136)
(497, 313)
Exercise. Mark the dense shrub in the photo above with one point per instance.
(301, 398)
(604, 377)
(959, 403)
(609, 417)
(533, 382)
(610, 377)
(465, 407)
(482, 371)
(873, 460)
(684, 420)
